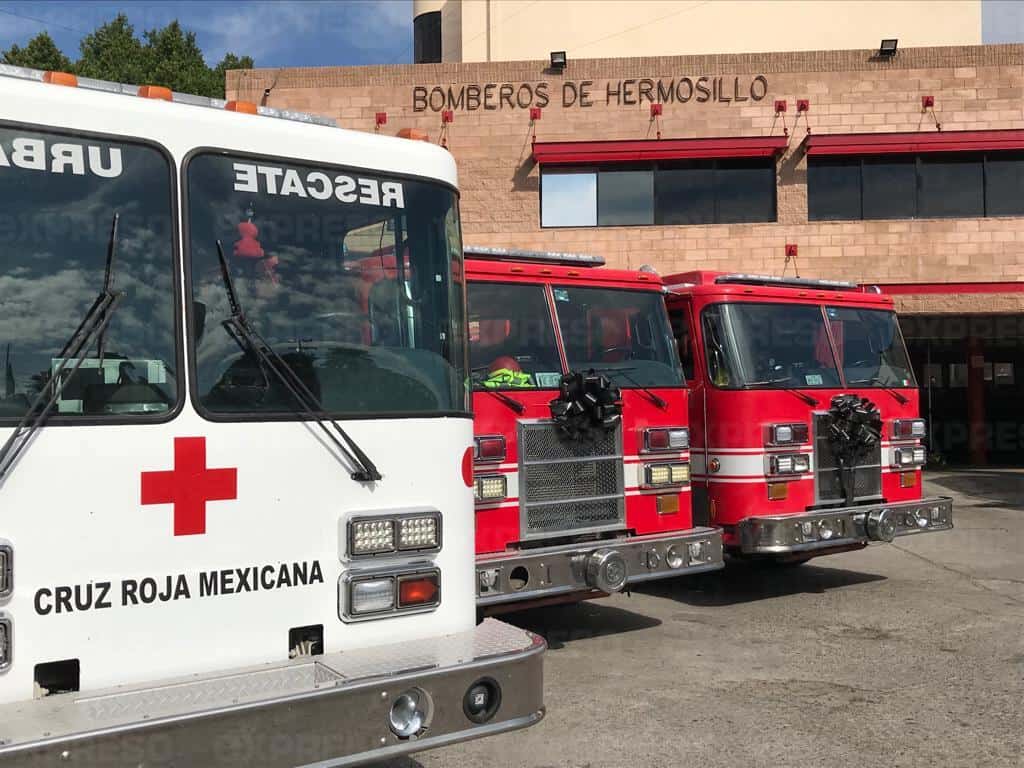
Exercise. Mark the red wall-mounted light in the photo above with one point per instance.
(535, 113)
(927, 101)
(803, 105)
(381, 118)
(780, 106)
(656, 110)
(447, 116)
(790, 250)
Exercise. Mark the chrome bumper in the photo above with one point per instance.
(329, 710)
(844, 527)
(533, 574)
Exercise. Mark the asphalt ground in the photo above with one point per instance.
(909, 654)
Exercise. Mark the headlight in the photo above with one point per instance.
(674, 557)
(371, 537)
(789, 464)
(391, 534)
(667, 439)
(657, 475)
(418, 533)
(909, 457)
(491, 487)
(787, 434)
(410, 713)
(6, 642)
(908, 429)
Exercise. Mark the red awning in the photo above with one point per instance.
(628, 151)
(913, 142)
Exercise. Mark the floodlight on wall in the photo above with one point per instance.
(888, 48)
(558, 60)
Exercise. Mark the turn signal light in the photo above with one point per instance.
(667, 439)
(908, 429)
(489, 448)
(787, 434)
(419, 591)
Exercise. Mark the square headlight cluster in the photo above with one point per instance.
(374, 536)
(787, 434)
(666, 439)
(381, 594)
(490, 488)
(789, 464)
(907, 458)
(659, 475)
(908, 429)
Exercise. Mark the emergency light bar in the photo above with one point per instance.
(541, 257)
(146, 91)
(787, 282)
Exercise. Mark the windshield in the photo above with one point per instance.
(622, 333)
(788, 346)
(768, 345)
(353, 278)
(870, 347)
(511, 338)
(60, 195)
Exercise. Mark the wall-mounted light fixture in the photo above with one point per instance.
(558, 60)
(888, 48)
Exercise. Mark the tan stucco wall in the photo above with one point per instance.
(975, 87)
(512, 30)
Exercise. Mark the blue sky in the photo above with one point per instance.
(302, 33)
(273, 33)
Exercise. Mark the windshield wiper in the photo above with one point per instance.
(900, 398)
(658, 401)
(92, 328)
(248, 339)
(771, 382)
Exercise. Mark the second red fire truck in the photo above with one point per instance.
(806, 436)
(582, 466)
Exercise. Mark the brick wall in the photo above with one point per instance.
(975, 87)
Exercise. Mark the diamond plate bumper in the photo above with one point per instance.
(329, 710)
(847, 526)
(561, 570)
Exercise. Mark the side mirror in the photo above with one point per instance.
(198, 320)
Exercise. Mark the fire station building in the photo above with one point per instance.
(892, 165)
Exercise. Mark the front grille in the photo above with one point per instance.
(568, 487)
(867, 477)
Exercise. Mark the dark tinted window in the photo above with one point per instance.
(1004, 184)
(622, 333)
(625, 197)
(950, 186)
(685, 193)
(351, 277)
(511, 337)
(426, 38)
(833, 188)
(680, 320)
(890, 187)
(745, 190)
(60, 194)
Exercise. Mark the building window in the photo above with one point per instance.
(426, 38)
(930, 185)
(665, 193)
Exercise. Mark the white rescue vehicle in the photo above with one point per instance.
(236, 513)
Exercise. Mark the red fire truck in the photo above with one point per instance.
(806, 436)
(580, 416)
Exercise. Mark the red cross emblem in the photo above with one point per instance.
(189, 486)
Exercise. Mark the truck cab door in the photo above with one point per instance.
(684, 328)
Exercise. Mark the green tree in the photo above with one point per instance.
(169, 56)
(40, 53)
